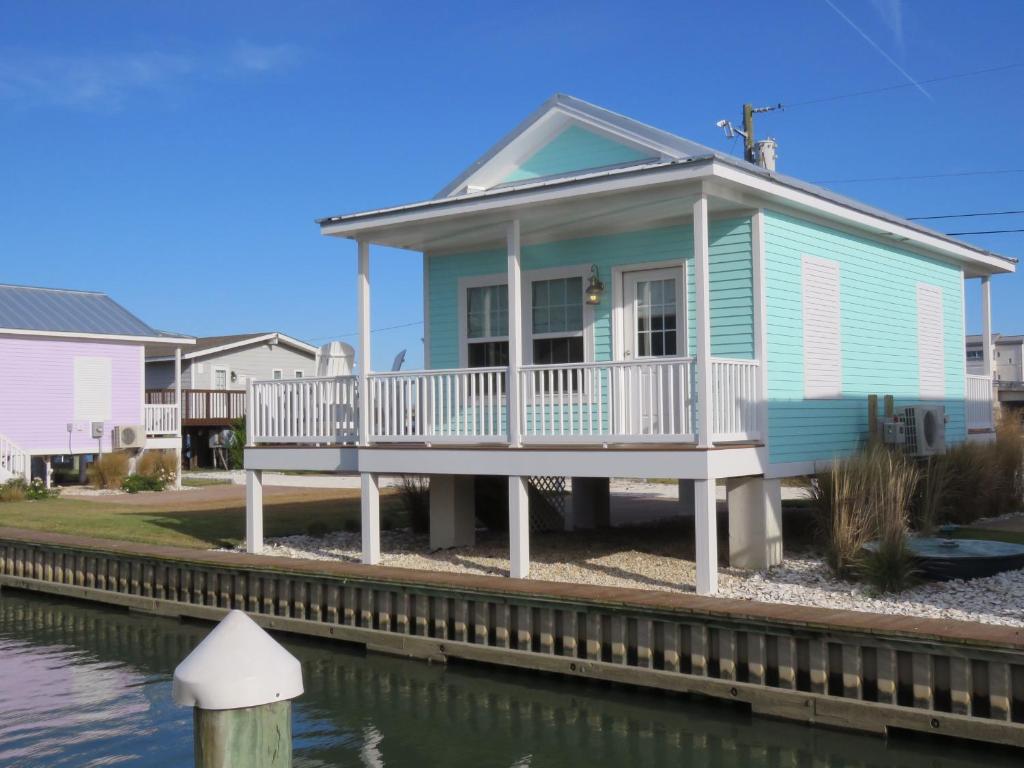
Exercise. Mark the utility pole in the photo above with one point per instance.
(747, 131)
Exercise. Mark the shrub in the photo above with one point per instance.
(414, 492)
(13, 490)
(236, 447)
(108, 470)
(864, 497)
(37, 490)
(931, 494)
(135, 483)
(158, 464)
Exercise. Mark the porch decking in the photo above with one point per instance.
(600, 403)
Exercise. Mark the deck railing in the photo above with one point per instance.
(978, 397)
(14, 462)
(735, 399)
(161, 420)
(637, 401)
(454, 405)
(210, 406)
(311, 410)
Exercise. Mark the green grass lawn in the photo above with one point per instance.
(198, 525)
(202, 482)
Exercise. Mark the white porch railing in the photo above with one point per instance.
(978, 397)
(161, 420)
(637, 401)
(735, 399)
(630, 401)
(454, 405)
(313, 410)
(14, 462)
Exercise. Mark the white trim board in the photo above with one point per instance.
(276, 338)
(99, 337)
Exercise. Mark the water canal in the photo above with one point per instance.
(90, 686)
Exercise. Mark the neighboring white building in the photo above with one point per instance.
(215, 375)
(1007, 357)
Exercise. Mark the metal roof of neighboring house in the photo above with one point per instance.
(997, 338)
(206, 345)
(673, 150)
(62, 311)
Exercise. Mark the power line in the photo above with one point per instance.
(986, 232)
(923, 176)
(869, 91)
(964, 215)
(372, 330)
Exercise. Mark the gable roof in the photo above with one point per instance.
(28, 310)
(488, 184)
(550, 121)
(212, 345)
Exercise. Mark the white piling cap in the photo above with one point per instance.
(237, 665)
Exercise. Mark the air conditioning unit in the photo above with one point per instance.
(130, 436)
(924, 430)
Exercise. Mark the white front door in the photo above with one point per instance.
(654, 326)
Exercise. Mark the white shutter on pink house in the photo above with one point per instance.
(931, 349)
(823, 353)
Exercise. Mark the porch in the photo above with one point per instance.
(202, 407)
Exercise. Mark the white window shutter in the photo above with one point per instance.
(823, 356)
(92, 388)
(931, 349)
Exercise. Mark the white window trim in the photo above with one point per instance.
(619, 302)
(276, 370)
(465, 283)
(213, 376)
(556, 273)
(299, 373)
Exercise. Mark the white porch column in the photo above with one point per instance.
(702, 286)
(706, 529)
(452, 511)
(518, 527)
(254, 511)
(177, 400)
(515, 331)
(363, 360)
(986, 326)
(757, 260)
(370, 517)
(755, 522)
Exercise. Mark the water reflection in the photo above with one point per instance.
(86, 686)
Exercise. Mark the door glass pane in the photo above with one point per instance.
(655, 311)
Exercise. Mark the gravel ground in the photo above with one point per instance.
(83, 490)
(655, 557)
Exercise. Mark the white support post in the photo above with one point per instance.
(702, 285)
(254, 511)
(177, 400)
(986, 325)
(518, 527)
(363, 308)
(706, 529)
(757, 259)
(515, 331)
(370, 514)
(48, 471)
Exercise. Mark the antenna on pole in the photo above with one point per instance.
(751, 151)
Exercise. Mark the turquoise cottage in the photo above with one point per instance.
(605, 299)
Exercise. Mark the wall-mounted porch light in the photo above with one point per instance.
(594, 286)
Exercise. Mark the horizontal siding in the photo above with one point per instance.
(879, 337)
(730, 276)
(37, 392)
(575, 149)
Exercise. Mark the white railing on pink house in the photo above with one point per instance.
(14, 462)
(162, 420)
(638, 401)
(978, 401)
(310, 410)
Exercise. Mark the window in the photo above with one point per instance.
(823, 359)
(277, 374)
(487, 326)
(931, 358)
(557, 322)
(220, 378)
(975, 354)
(298, 374)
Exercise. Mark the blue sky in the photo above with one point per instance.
(175, 155)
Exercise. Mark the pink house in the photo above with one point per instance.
(72, 380)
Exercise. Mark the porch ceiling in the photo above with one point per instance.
(562, 219)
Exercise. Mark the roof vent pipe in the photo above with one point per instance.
(766, 152)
